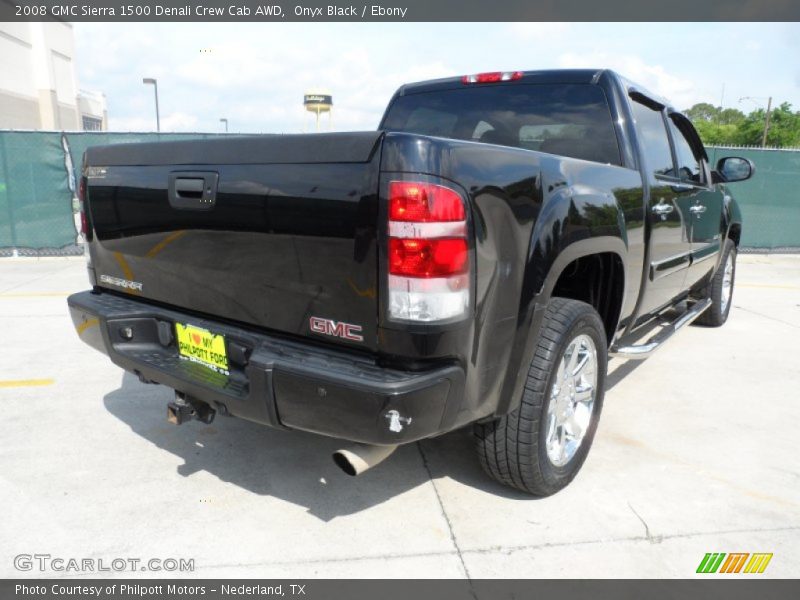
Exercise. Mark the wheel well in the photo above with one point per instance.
(735, 234)
(599, 280)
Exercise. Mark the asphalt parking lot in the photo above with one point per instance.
(697, 452)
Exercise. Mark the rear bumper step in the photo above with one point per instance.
(642, 351)
(271, 380)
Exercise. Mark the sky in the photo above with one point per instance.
(255, 74)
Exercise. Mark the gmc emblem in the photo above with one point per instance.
(345, 331)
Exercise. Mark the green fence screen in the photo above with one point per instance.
(38, 171)
(35, 200)
(38, 174)
(770, 201)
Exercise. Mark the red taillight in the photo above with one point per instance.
(428, 270)
(424, 203)
(82, 204)
(428, 258)
(492, 77)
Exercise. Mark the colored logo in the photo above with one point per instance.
(347, 331)
(735, 562)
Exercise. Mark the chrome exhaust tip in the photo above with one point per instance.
(357, 458)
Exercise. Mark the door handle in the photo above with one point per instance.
(663, 209)
(697, 209)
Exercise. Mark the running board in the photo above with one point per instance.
(642, 351)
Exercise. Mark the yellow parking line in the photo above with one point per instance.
(366, 293)
(9, 383)
(127, 272)
(123, 264)
(85, 325)
(165, 242)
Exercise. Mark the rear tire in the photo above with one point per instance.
(720, 289)
(532, 448)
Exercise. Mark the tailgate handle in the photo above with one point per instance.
(189, 188)
(193, 190)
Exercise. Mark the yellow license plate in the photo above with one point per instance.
(202, 346)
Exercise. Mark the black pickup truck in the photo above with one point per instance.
(475, 261)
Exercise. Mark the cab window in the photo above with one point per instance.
(689, 166)
(653, 139)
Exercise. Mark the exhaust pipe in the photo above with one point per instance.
(356, 459)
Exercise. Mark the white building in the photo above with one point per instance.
(38, 85)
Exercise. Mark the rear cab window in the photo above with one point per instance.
(654, 140)
(570, 120)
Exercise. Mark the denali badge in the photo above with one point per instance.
(346, 331)
(123, 283)
(96, 172)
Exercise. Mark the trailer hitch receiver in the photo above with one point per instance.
(185, 408)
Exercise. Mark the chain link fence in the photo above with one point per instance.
(39, 170)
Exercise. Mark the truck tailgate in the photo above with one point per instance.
(265, 230)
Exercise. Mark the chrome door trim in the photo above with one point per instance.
(669, 265)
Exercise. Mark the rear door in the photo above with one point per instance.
(667, 209)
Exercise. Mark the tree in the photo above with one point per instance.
(784, 127)
(703, 112)
(730, 126)
(730, 116)
(717, 134)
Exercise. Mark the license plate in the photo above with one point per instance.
(202, 346)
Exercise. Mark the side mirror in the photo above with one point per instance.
(735, 168)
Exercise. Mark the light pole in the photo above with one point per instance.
(148, 81)
(766, 123)
(766, 119)
(226, 124)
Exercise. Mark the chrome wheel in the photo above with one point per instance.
(572, 397)
(727, 284)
